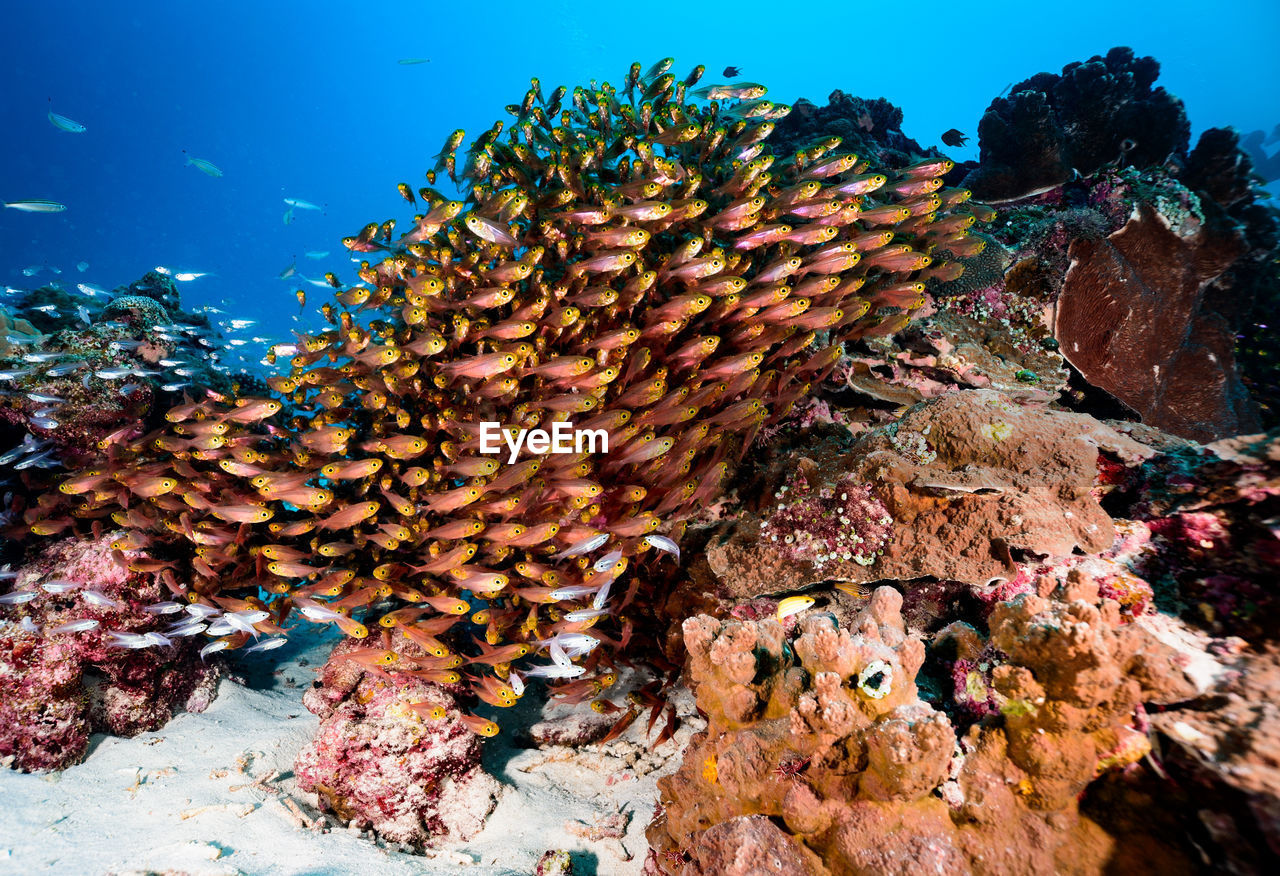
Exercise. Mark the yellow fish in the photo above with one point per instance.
(793, 605)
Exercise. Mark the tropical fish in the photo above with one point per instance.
(793, 605)
(204, 166)
(62, 123)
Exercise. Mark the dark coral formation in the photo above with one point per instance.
(1097, 113)
(58, 685)
(869, 127)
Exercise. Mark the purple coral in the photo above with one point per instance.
(831, 523)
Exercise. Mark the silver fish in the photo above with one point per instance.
(17, 597)
(75, 626)
(268, 644)
(586, 546)
(36, 205)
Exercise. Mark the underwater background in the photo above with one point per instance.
(938, 531)
(309, 101)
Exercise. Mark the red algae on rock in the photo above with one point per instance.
(394, 755)
(58, 687)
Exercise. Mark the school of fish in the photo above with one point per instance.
(634, 261)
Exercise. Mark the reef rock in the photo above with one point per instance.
(58, 686)
(968, 482)
(394, 756)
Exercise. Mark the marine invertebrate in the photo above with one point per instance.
(1141, 291)
(827, 736)
(398, 758)
(136, 310)
(645, 270)
(821, 524)
(61, 625)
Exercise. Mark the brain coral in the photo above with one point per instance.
(632, 262)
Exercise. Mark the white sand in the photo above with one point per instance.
(123, 809)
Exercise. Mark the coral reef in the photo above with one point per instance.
(1096, 113)
(676, 290)
(396, 757)
(827, 734)
(96, 370)
(62, 675)
(968, 480)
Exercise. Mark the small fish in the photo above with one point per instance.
(93, 597)
(586, 546)
(30, 626)
(127, 640)
(318, 256)
(83, 313)
(212, 647)
(201, 611)
(730, 72)
(190, 628)
(555, 670)
(62, 123)
(585, 614)
(409, 62)
(301, 204)
(793, 605)
(608, 561)
(163, 608)
(204, 166)
(237, 324)
(36, 205)
(51, 309)
(954, 137)
(268, 644)
(289, 271)
(157, 639)
(662, 543)
(17, 597)
(58, 586)
(287, 218)
(75, 626)
(188, 276)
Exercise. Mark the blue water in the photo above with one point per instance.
(307, 100)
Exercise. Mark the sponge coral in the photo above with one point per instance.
(632, 265)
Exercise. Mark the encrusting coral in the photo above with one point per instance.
(826, 732)
(394, 755)
(633, 263)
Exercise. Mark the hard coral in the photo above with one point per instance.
(827, 735)
(646, 269)
(967, 479)
(57, 686)
(1096, 112)
(1130, 318)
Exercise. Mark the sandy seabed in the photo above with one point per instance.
(198, 796)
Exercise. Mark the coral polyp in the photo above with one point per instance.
(632, 262)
